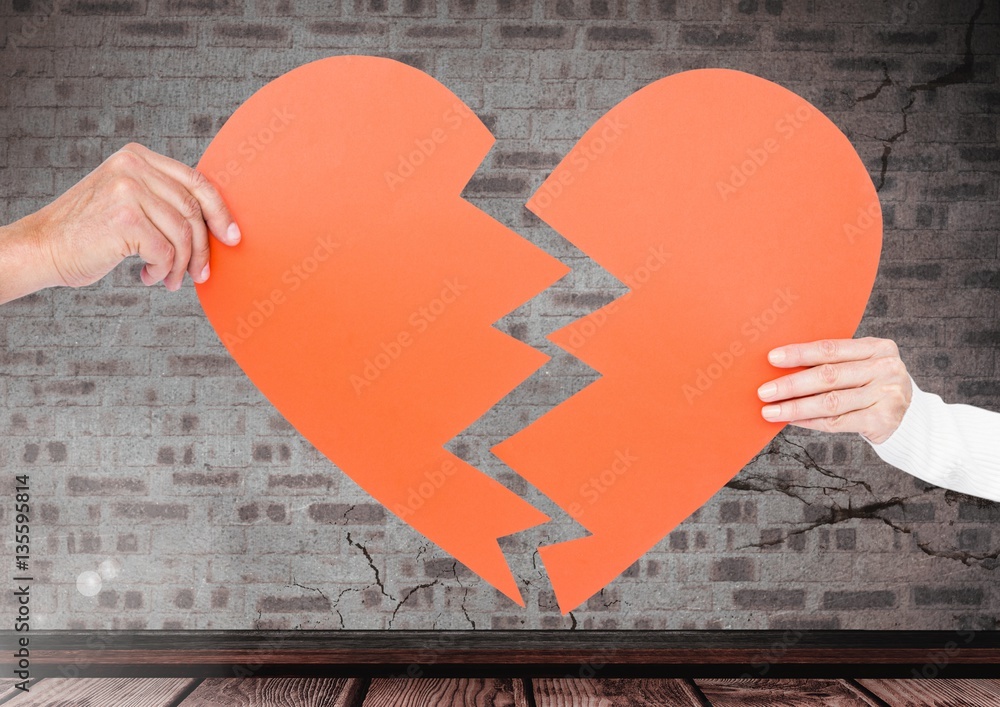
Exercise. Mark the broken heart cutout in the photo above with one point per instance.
(362, 297)
(741, 219)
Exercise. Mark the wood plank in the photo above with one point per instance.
(8, 691)
(936, 693)
(275, 692)
(459, 692)
(781, 693)
(342, 653)
(613, 692)
(103, 692)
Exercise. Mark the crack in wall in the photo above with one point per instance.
(311, 589)
(371, 563)
(410, 592)
(465, 593)
(886, 82)
(806, 459)
(888, 142)
(608, 603)
(336, 603)
(835, 514)
(963, 73)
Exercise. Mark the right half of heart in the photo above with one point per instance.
(741, 219)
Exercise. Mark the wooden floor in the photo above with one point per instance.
(496, 692)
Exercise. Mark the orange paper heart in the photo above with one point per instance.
(361, 299)
(741, 219)
(362, 296)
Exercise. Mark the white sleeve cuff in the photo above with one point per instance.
(956, 447)
(903, 445)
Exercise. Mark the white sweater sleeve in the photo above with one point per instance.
(955, 447)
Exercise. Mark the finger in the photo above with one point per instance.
(856, 421)
(155, 249)
(176, 229)
(213, 207)
(819, 379)
(831, 404)
(830, 351)
(190, 209)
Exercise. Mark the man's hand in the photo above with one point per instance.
(851, 385)
(137, 202)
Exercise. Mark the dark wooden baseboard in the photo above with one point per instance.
(511, 653)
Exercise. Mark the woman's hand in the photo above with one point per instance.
(851, 385)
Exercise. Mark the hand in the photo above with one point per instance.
(851, 385)
(137, 202)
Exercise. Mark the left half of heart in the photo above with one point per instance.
(362, 298)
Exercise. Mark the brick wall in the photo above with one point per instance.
(159, 467)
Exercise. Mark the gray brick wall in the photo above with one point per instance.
(158, 465)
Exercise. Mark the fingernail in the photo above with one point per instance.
(204, 274)
(233, 235)
(776, 356)
(771, 411)
(767, 391)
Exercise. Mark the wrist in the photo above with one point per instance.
(26, 261)
(911, 399)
